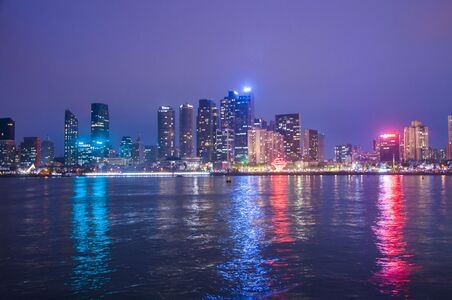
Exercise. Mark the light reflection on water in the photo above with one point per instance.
(394, 263)
(90, 234)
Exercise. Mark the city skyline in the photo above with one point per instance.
(380, 70)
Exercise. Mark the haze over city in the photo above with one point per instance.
(351, 69)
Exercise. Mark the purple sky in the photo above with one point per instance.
(351, 68)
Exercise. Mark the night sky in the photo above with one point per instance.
(352, 69)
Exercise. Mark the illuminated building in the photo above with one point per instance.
(260, 123)
(206, 126)
(7, 129)
(186, 130)
(343, 153)
(150, 154)
(264, 146)
(47, 152)
(70, 138)
(227, 110)
(138, 152)
(125, 147)
(449, 141)
(7, 142)
(244, 119)
(313, 145)
(388, 146)
(100, 130)
(224, 145)
(415, 144)
(85, 153)
(30, 152)
(166, 124)
(289, 126)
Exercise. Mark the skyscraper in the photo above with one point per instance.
(343, 153)
(224, 146)
(243, 121)
(449, 140)
(7, 129)
(206, 126)
(166, 132)
(313, 145)
(388, 147)
(227, 110)
(186, 122)
(47, 152)
(100, 130)
(264, 146)
(415, 142)
(125, 147)
(138, 152)
(70, 138)
(289, 126)
(30, 152)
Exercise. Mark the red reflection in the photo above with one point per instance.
(395, 268)
(278, 201)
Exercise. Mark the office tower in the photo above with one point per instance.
(415, 142)
(343, 153)
(85, 153)
(264, 146)
(100, 130)
(151, 154)
(388, 147)
(47, 152)
(7, 129)
(227, 110)
(313, 145)
(243, 121)
(7, 142)
(449, 140)
(125, 147)
(70, 138)
(166, 124)
(186, 122)
(138, 152)
(206, 126)
(224, 145)
(30, 152)
(288, 125)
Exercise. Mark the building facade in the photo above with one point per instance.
(289, 126)
(313, 145)
(166, 131)
(7, 142)
(70, 138)
(388, 147)
(100, 130)
(47, 152)
(125, 147)
(206, 127)
(415, 142)
(449, 140)
(30, 152)
(243, 121)
(343, 153)
(186, 131)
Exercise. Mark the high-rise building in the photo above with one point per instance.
(264, 146)
(343, 153)
(125, 147)
(224, 145)
(70, 138)
(7, 142)
(288, 125)
(138, 152)
(415, 142)
(47, 152)
(243, 121)
(85, 153)
(388, 147)
(449, 140)
(30, 152)
(100, 130)
(151, 154)
(227, 110)
(7, 129)
(314, 145)
(206, 126)
(166, 124)
(186, 122)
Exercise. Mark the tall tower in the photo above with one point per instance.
(7, 142)
(47, 152)
(186, 122)
(70, 138)
(100, 130)
(289, 126)
(243, 121)
(206, 126)
(415, 141)
(166, 132)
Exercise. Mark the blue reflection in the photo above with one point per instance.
(90, 234)
(245, 271)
